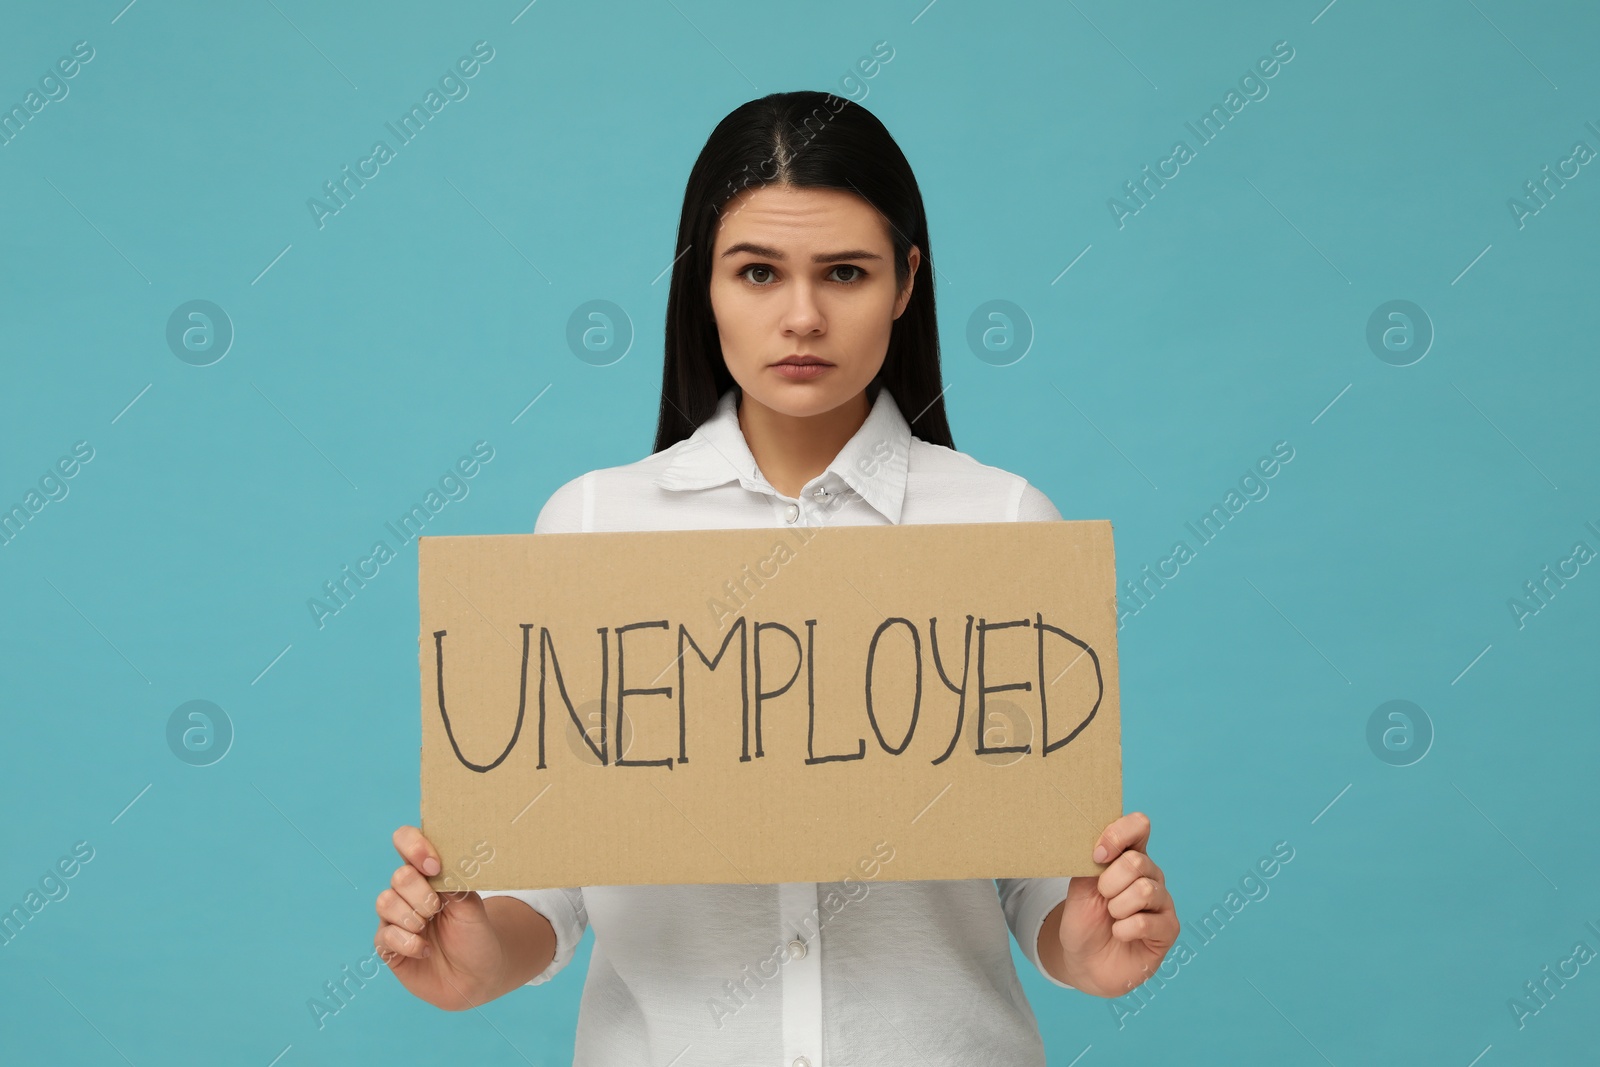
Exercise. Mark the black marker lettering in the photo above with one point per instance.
(966, 671)
(522, 702)
(811, 708)
(983, 690)
(711, 664)
(916, 699)
(622, 691)
(572, 712)
(750, 651)
(1044, 715)
(760, 696)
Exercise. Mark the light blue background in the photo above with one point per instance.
(1225, 316)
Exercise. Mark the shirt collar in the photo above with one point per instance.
(873, 462)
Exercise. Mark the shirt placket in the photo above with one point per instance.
(802, 974)
(799, 913)
(815, 506)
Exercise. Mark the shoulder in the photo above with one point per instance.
(570, 508)
(563, 512)
(947, 473)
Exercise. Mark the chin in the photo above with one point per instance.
(802, 399)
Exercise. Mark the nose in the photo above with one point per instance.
(803, 314)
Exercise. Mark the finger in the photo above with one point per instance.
(417, 850)
(1130, 831)
(416, 891)
(380, 942)
(403, 942)
(389, 956)
(1144, 894)
(393, 908)
(1159, 928)
(1125, 869)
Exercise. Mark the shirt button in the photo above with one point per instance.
(797, 949)
(821, 493)
(801, 1061)
(791, 513)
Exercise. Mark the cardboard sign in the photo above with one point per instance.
(769, 705)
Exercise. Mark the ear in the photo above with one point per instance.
(913, 260)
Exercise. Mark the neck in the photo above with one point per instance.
(793, 449)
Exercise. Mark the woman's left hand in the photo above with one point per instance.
(1117, 927)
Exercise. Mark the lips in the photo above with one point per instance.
(798, 368)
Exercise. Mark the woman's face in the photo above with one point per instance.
(804, 272)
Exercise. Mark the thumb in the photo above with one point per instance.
(1083, 888)
(462, 905)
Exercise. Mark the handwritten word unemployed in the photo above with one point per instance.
(753, 657)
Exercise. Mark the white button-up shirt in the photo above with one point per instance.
(868, 971)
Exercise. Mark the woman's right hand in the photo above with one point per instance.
(442, 947)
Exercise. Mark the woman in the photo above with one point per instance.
(801, 386)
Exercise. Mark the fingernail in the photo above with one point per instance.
(427, 950)
(1099, 853)
(430, 866)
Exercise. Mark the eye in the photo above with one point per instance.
(856, 275)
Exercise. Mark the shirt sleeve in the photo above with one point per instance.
(569, 509)
(564, 512)
(1035, 506)
(1026, 902)
(564, 908)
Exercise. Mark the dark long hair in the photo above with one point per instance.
(805, 139)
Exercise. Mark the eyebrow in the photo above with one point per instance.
(773, 253)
